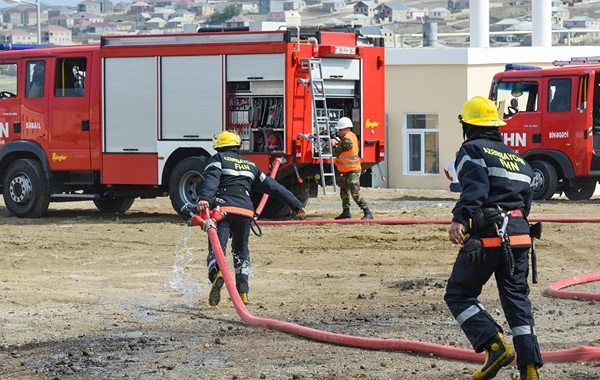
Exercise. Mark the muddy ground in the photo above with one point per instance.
(87, 295)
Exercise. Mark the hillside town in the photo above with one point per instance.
(574, 22)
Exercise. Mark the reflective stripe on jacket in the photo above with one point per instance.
(349, 160)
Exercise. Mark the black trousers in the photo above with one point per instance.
(465, 285)
(238, 227)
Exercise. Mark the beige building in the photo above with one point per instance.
(425, 89)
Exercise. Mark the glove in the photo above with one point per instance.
(474, 250)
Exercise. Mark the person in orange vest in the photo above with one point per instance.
(347, 163)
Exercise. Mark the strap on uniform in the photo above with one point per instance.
(232, 189)
(238, 211)
(495, 242)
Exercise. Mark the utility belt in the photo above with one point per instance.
(233, 189)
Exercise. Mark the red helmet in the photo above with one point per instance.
(274, 142)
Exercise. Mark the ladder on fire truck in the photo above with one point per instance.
(322, 135)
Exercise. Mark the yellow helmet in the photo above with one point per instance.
(481, 112)
(226, 139)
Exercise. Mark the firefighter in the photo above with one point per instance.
(490, 221)
(348, 165)
(228, 179)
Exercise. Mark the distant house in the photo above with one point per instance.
(176, 23)
(203, 9)
(156, 23)
(106, 6)
(438, 13)
(366, 8)
(503, 24)
(458, 5)
(18, 37)
(55, 34)
(187, 15)
(334, 5)
(103, 28)
(88, 16)
(140, 7)
(164, 3)
(13, 16)
(355, 19)
(415, 13)
(66, 21)
(30, 16)
(89, 6)
(294, 5)
(57, 11)
(290, 18)
(183, 4)
(238, 22)
(582, 22)
(391, 12)
(164, 13)
(560, 15)
(267, 6)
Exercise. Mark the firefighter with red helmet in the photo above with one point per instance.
(348, 165)
(490, 221)
(228, 180)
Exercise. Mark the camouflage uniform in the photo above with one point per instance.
(349, 183)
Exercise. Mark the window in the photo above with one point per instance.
(34, 85)
(515, 97)
(70, 77)
(559, 95)
(8, 80)
(421, 144)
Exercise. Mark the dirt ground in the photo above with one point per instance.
(87, 295)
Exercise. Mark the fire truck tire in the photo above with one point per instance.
(276, 209)
(547, 180)
(184, 183)
(581, 192)
(26, 193)
(112, 205)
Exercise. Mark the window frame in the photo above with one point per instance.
(407, 132)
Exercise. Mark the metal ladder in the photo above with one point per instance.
(322, 135)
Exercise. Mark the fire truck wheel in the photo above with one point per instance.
(112, 205)
(185, 182)
(581, 192)
(276, 209)
(547, 180)
(25, 187)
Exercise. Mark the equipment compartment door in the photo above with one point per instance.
(253, 67)
(69, 93)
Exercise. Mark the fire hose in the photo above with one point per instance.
(582, 353)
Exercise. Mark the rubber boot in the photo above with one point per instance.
(530, 372)
(498, 354)
(214, 297)
(368, 214)
(244, 297)
(344, 215)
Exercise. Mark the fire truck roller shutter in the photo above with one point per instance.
(26, 188)
(185, 182)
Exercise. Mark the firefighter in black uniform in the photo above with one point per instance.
(490, 222)
(228, 178)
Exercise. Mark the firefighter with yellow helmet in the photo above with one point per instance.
(490, 222)
(228, 179)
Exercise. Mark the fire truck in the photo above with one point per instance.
(553, 122)
(135, 116)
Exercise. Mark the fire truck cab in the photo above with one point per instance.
(553, 121)
(135, 116)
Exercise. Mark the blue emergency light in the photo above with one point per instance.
(516, 66)
(4, 47)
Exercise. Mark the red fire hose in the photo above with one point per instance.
(582, 353)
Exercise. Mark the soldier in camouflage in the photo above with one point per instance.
(348, 165)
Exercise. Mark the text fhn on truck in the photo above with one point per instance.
(553, 121)
(135, 115)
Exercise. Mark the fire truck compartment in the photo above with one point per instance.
(252, 67)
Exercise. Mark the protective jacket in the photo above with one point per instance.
(348, 159)
(228, 179)
(491, 175)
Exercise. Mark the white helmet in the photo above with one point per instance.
(344, 123)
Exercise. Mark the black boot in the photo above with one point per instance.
(344, 215)
(498, 354)
(368, 214)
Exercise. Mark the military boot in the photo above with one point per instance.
(530, 372)
(368, 214)
(344, 215)
(498, 354)
(214, 297)
(244, 297)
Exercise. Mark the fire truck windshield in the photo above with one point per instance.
(514, 97)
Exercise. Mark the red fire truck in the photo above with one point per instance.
(134, 117)
(553, 121)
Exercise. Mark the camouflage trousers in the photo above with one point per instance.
(349, 184)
